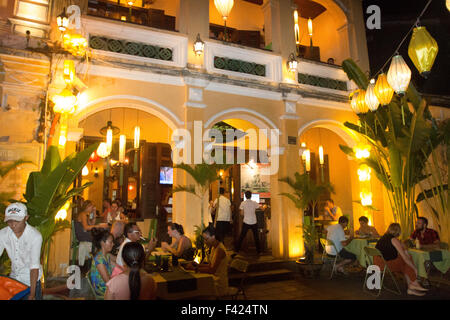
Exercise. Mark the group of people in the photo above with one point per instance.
(394, 252)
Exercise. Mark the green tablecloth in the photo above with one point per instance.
(419, 257)
(356, 246)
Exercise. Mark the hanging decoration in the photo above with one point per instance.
(102, 150)
(361, 102)
(399, 75)
(422, 50)
(64, 102)
(94, 157)
(370, 97)
(310, 31)
(224, 7)
(122, 146)
(383, 90)
(296, 28)
(85, 171)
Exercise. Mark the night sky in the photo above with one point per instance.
(397, 17)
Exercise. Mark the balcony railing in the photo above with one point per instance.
(248, 38)
(137, 15)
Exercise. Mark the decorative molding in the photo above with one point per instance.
(244, 91)
(322, 82)
(240, 66)
(195, 105)
(330, 104)
(290, 106)
(289, 117)
(196, 94)
(272, 62)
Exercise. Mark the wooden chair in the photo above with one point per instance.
(240, 266)
(370, 253)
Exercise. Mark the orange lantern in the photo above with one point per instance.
(383, 91)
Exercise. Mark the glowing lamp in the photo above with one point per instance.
(64, 102)
(69, 71)
(358, 101)
(76, 44)
(362, 151)
(296, 28)
(94, 157)
(85, 171)
(310, 27)
(370, 97)
(123, 18)
(62, 213)
(364, 172)
(199, 45)
(422, 50)
(307, 160)
(292, 63)
(447, 3)
(62, 21)
(224, 7)
(102, 150)
(109, 139)
(399, 75)
(122, 144)
(321, 155)
(137, 136)
(366, 198)
(383, 91)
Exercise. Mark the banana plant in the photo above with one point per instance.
(306, 193)
(403, 136)
(49, 189)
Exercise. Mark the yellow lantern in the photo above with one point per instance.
(69, 71)
(399, 75)
(64, 102)
(383, 90)
(422, 50)
(137, 136)
(353, 97)
(366, 198)
(364, 172)
(199, 45)
(122, 144)
(85, 171)
(447, 3)
(310, 31)
(321, 155)
(307, 160)
(370, 98)
(361, 102)
(292, 63)
(296, 28)
(362, 151)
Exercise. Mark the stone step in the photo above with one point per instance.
(262, 276)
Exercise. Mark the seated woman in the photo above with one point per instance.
(181, 245)
(115, 213)
(102, 265)
(133, 283)
(219, 261)
(398, 258)
(365, 230)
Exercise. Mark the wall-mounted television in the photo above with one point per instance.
(166, 175)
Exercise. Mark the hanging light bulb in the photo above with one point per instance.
(366, 198)
(362, 151)
(422, 50)
(102, 150)
(383, 91)
(85, 171)
(399, 75)
(69, 71)
(308, 160)
(137, 136)
(296, 28)
(310, 31)
(321, 155)
(370, 98)
(62, 213)
(62, 21)
(122, 144)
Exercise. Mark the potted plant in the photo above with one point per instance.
(307, 193)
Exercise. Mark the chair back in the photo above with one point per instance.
(239, 265)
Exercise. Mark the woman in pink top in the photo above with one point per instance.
(134, 283)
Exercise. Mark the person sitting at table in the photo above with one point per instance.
(102, 265)
(398, 259)
(117, 229)
(336, 234)
(106, 209)
(181, 245)
(219, 261)
(114, 214)
(365, 230)
(133, 283)
(132, 233)
(331, 211)
(428, 238)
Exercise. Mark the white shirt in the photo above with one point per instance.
(109, 218)
(224, 210)
(335, 233)
(249, 207)
(119, 259)
(24, 252)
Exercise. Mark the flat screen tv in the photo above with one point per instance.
(166, 175)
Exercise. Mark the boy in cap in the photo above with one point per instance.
(23, 245)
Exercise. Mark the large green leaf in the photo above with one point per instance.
(354, 73)
(34, 180)
(51, 161)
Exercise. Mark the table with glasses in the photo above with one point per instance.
(175, 282)
(356, 246)
(440, 258)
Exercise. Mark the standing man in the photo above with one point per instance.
(332, 211)
(23, 244)
(223, 215)
(248, 208)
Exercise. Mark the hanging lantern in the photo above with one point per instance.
(122, 144)
(292, 63)
(137, 136)
(307, 160)
(224, 7)
(422, 50)
(364, 172)
(62, 213)
(62, 21)
(360, 102)
(62, 136)
(353, 97)
(199, 45)
(321, 155)
(366, 198)
(370, 98)
(399, 75)
(109, 140)
(69, 71)
(102, 150)
(85, 171)
(383, 91)
(362, 151)
(94, 157)
(296, 28)
(64, 102)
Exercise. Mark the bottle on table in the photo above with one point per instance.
(417, 244)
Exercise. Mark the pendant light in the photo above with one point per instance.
(109, 140)
(224, 7)
(296, 28)
(307, 160)
(422, 50)
(370, 97)
(122, 144)
(102, 150)
(361, 102)
(399, 75)
(321, 155)
(383, 91)
(353, 97)
(310, 31)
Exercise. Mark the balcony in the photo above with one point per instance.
(150, 17)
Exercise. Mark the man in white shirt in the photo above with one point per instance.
(223, 213)
(336, 234)
(248, 208)
(23, 244)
